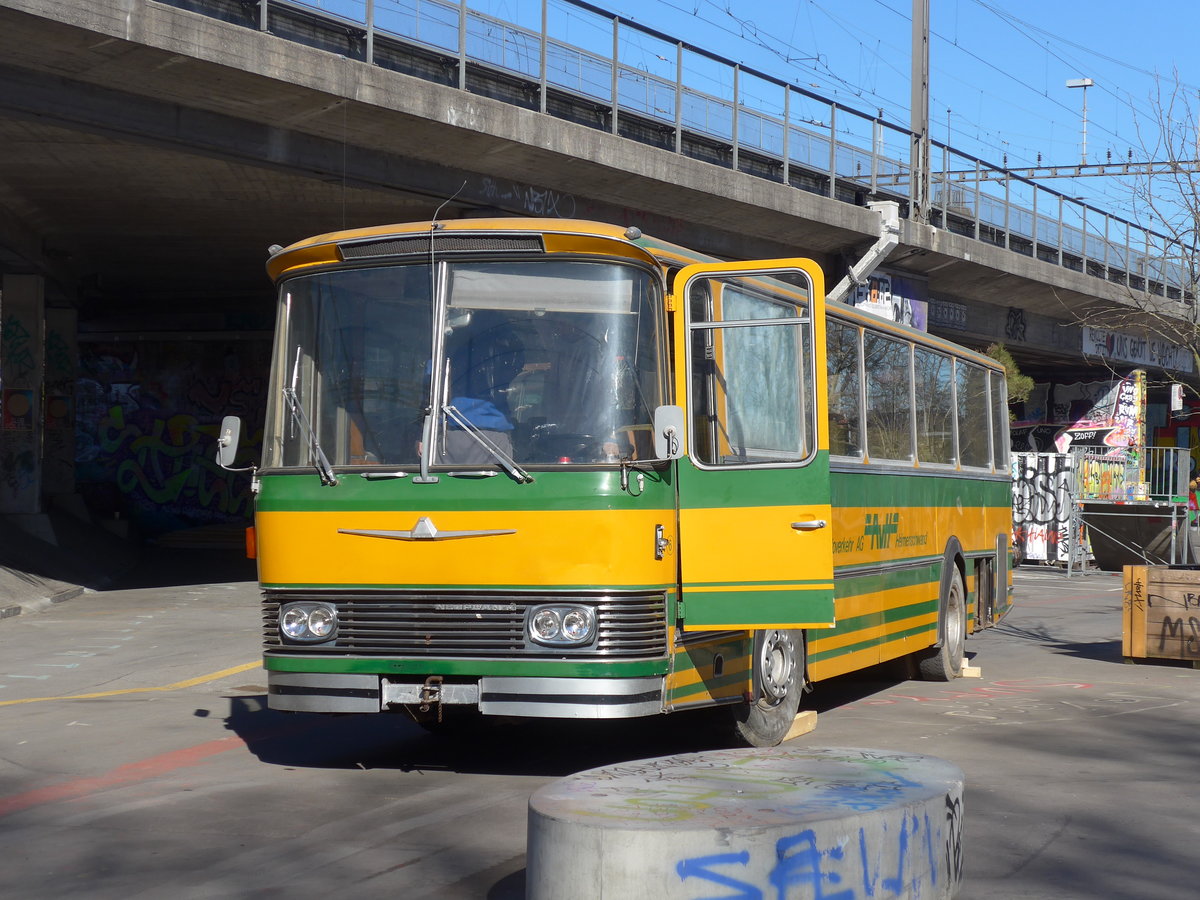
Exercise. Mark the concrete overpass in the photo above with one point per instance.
(151, 151)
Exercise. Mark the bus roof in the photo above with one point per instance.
(562, 236)
(565, 236)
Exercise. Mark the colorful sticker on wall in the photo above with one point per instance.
(18, 410)
(58, 411)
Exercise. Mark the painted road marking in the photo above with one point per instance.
(126, 774)
(177, 686)
(151, 767)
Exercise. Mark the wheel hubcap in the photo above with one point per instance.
(955, 627)
(777, 665)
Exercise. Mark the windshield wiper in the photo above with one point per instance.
(509, 464)
(323, 467)
(322, 464)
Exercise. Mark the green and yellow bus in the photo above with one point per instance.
(554, 468)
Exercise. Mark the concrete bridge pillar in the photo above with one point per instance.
(22, 382)
(61, 372)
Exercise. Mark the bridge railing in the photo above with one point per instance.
(582, 62)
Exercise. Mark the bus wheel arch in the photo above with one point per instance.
(780, 677)
(945, 661)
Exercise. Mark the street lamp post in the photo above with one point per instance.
(1083, 83)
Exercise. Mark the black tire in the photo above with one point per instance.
(945, 662)
(778, 668)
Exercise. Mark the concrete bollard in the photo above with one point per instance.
(802, 824)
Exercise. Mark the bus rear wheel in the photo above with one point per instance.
(778, 666)
(945, 662)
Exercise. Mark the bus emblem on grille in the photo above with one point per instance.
(425, 530)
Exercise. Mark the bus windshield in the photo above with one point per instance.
(550, 362)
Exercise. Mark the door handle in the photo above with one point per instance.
(810, 525)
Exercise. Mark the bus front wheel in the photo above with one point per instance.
(778, 667)
(944, 663)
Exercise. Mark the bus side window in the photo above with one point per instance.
(845, 389)
(751, 390)
(703, 386)
(973, 447)
(935, 406)
(889, 397)
(999, 399)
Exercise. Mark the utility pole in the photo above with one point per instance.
(919, 112)
(1083, 83)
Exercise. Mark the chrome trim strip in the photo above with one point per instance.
(425, 530)
(571, 698)
(325, 693)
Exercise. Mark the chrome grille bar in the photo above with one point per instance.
(391, 623)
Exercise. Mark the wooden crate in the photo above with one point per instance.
(1161, 613)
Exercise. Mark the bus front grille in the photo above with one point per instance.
(386, 623)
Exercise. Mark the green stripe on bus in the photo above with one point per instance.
(849, 585)
(466, 667)
(708, 686)
(719, 608)
(753, 585)
(732, 649)
(548, 491)
(575, 490)
(879, 617)
(819, 655)
(873, 488)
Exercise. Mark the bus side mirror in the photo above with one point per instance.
(227, 442)
(668, 432)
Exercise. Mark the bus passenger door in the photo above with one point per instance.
(755, 529)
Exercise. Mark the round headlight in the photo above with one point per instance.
(308, 622)
(321, 622)
(545, 625)
(576, 625)
(294, 623)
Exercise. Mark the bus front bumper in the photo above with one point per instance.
(536, 697)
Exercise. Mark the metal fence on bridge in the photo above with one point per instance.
(579, 62)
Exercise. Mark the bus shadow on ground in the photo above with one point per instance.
(501, 746)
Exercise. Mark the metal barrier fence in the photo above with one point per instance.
(578, 61)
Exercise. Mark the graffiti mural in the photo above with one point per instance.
(1094, 414)
(147, 416)
(892, 297)
(1042, 501)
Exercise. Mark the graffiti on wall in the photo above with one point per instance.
(1042, 506)
(894, 298)
(1094, 414)
(17, 350)
(147, 421)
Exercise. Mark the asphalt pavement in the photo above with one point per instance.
(138, 759)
